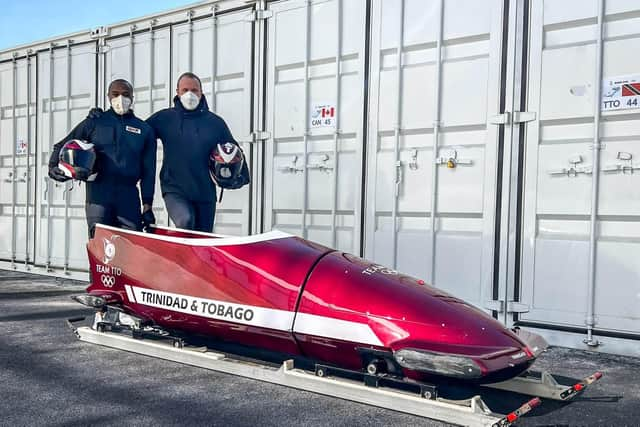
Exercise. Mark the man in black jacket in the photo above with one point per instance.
(189, 132)
(125, 154)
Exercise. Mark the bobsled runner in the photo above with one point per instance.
(282, 293)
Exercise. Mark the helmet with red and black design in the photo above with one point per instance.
(227, 166)
(77, 160)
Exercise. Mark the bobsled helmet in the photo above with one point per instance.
(227, 166)
(77, 160)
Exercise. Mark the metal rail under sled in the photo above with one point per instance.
(469, 412)
(475, 413)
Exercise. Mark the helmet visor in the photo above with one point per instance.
(79, 158)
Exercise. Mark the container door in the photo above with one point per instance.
(17, 160)
(315, 98)
(66, 92)
(559, 170)
(219, 51)
(432, 156)
(143, 59)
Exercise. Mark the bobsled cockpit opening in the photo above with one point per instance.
(188, 237)
(185, 234)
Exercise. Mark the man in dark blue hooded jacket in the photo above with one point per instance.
(125, 154)
(189, 132)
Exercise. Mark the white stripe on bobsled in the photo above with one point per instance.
(311, 324)
(197, 241)
(129, 293)
(308, 324)
(248, 314)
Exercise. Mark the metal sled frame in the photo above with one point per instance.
(469, 412)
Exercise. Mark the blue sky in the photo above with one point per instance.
(26, 21)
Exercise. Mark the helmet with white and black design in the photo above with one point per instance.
(227, 165)
(77, 160)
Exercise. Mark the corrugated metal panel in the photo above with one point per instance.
(315, 93)
(160, 20)
(66, 92)
(435, 82)
(217, 46)
(219, 51)
(17, 159)
(143, 58)
(440, 73)
(69, 81)
(559, 170)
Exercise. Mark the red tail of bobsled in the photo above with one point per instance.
(283, 293)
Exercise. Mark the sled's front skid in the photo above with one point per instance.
(470, 412)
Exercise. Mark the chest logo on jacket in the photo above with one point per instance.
(133, 130)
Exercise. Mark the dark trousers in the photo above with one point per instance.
(123, 214)
(190, 215)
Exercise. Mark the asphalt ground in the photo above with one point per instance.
(49, 377)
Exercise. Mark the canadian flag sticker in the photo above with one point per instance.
(323, 115)
(21, 147)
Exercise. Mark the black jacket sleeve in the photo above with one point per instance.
(148, 168)
(81, 131)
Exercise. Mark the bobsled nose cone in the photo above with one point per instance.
(447, 365)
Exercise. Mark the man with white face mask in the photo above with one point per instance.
(125, 155)
(189, 132)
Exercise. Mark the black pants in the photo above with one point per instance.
(190, 215)
(124, 214)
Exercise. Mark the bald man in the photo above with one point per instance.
(125, 155)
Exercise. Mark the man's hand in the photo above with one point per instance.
(95, 113)
(56, 174)
(148, 218)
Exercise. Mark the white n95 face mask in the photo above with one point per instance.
(121, 104)
(189, 100)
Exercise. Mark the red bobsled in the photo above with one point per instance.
(286, 294)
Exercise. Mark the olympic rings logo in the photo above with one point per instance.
(108, 281)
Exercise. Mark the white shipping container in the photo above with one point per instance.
(315, 93)
(17, 159)
(452, 140)
(559, 230)
(219, 50)
(143, 57)
(66, 91)
(432, 164)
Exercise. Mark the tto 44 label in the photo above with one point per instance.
(621, 93)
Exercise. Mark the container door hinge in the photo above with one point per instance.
(260, 135)
(495, 305)
(512, 306)
(259, 15)
(256, 136)
(99, 32)
(517, 307)
(103, 48)
(515, 117)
